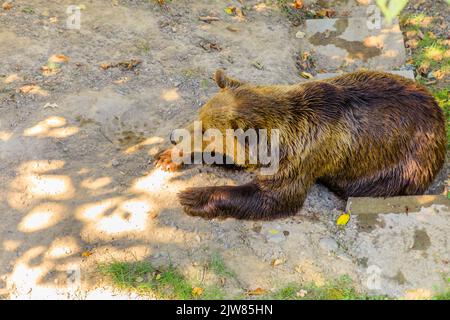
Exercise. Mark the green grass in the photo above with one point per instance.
(430, 51)
(443, 98)
(340, 289)
(167, 283)
(218, 266)
(430, 56)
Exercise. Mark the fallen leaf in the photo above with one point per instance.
(298, 4)
(343, 219)
(306, 75)
(86, 254)
(325, 13)
(208, 19)
(7, 6)
(124, 65)
(121, 80)
(240, 13)
(277, 262)
(197, 291)
(50, 105)
(257, 292)
(33, 89)
(158, 276)
(58, 58)
(232, 29)
(257, 65)
(230, 10)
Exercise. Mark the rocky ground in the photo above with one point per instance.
(84, 111)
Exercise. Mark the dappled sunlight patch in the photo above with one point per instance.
(11, 245)
(51, 127)
(62, 248)
(42, 217)
(146, 142)
(5, 136)
(170, 95)
(261, 7)
(11, 78)
(434, 53)
(50, 186)
(63, 132)
(116, 215)
(155, 181)
(84, 171)
(374, 41)
(94, 211)
(27, 278)
(131, 216)
(95, 184)
(32, 184)
(418, 294)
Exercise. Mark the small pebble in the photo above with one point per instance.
(328, 244)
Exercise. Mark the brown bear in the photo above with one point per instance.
(365, 133)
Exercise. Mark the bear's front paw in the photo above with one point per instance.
(199, 202)
(164, 161)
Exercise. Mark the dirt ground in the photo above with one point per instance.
(77, 182)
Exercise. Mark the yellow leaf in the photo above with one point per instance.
(230, 10)
(86, 254)
(343, 219)
(158, 276)
(197, 291)
(306, 75)
(256, 292)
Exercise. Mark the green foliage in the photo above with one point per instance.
(147, 280)
(217, 265)
(391, 8)
(340, 289)
(443, 98)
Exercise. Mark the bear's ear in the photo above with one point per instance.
(225, 82)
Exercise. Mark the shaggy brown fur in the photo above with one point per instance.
(361, 134)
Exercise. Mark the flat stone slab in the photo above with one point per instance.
(347, 44)
(402, 255)
(404, 204)
(404, 73)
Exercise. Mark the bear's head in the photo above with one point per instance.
(220, 112)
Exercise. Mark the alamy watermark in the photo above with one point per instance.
(73, 20)
(236, 146)
(373, 17)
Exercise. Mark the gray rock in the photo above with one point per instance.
(328, 244)
(276, 238)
